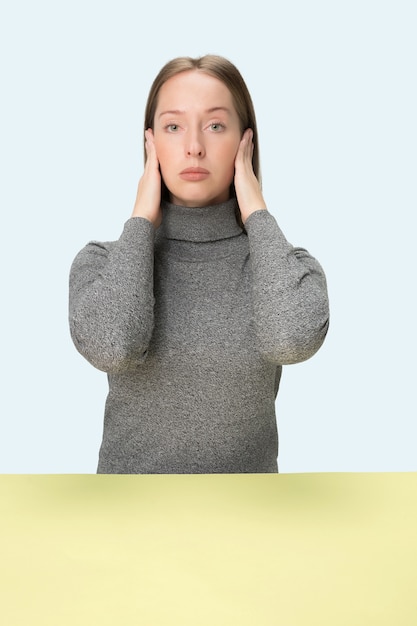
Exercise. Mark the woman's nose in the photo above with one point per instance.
(195, 146)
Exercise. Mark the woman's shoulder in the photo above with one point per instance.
(95, 247)
(93, 254)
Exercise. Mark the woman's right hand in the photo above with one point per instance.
(148, 197)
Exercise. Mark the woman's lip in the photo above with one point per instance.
(200, 170)
(194, 173)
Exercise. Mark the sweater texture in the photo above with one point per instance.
(192, 323)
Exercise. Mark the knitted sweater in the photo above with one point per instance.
(192, 323)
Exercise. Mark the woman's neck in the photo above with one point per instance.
(210, 223)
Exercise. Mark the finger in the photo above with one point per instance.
(147, 141)
(248, 135)
(248, 141)
(149, 138)
(150, 148)
(247, 146)
(240, 154)
(149, 135)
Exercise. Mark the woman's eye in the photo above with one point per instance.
(216, 126)
(172, 128)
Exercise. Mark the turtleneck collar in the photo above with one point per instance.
(209, 223)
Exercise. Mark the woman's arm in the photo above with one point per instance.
(289, 292)
(111, 298)
(288, 285)
(111, 285)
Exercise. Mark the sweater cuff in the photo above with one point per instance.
(263, 228)
(138, 227)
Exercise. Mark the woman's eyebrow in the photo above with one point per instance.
(173, 112)
(213, 109)
(179, 112)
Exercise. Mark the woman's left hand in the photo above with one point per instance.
(248, 191)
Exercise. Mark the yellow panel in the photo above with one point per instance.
(209, 550)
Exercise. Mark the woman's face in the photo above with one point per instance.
(197, 134)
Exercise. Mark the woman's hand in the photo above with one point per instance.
(148, 198)
(248, 191)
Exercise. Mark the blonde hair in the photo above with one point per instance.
(222, 69)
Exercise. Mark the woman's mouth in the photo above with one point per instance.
(194, 174)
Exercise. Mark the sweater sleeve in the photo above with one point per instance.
(290, 298)
(111, 298)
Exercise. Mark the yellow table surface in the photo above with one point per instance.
(288, 550)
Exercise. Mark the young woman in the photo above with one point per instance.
(195, 308)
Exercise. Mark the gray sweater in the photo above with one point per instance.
(192, 324)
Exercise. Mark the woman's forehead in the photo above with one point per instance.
(194, 89)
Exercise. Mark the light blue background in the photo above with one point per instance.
(334, 87)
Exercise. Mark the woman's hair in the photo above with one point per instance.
(223, 70)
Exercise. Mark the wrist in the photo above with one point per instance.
(154, 219)
(248, 213)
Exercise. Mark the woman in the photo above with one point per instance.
(197, 306)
